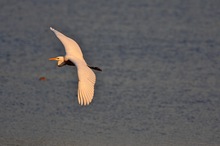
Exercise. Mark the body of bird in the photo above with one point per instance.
(61, 62)
(74, 57)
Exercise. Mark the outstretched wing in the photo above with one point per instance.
(71, 47)
(86, 82)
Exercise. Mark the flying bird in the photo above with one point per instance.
(74, 57)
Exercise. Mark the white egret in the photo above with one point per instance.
(74, 57)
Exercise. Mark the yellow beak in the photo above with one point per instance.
(53, 58)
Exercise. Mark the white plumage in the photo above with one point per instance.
(86, 76)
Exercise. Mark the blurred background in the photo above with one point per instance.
(160, 84)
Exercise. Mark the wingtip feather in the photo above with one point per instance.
(51, 28)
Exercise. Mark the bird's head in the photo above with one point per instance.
(60, 60)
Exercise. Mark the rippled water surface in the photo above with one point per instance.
(160, 84)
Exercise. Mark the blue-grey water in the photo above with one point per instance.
(160, 84)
